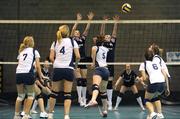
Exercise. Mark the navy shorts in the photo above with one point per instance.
(84, 60)
(25, 78)
(111, 70)
(63, 74)
(103, 72)
(128, 84)
(156, 87)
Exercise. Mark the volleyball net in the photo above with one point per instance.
(133, 37)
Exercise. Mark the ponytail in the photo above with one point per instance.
(59, 36)
(22, 47)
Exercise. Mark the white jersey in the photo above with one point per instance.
(64, 53)
(153, 70)
(159, 60)
(101, 56)
(26, 59)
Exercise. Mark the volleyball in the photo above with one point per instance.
(126, 7)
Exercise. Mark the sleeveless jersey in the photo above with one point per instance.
(101, 56)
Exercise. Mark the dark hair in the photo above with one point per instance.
(155, 49)
(100, 40)
(148, 55)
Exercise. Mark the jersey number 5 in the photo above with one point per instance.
(103, 55)
(62, 50)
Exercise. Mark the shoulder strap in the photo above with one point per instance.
(145, 67)
(159, 59)
(72, 42)
(55, 44)
(34, 54)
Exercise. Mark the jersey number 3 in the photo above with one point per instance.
(62, 50)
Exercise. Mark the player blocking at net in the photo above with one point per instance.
(101, 74)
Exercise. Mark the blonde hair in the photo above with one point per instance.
(63, 32)
(27, 42)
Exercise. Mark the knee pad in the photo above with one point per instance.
(109, 85)
(146, 100)
(84, 82)
(95, 87)
(30, 95)
(67, 96)
(155, 99)
(39, 96)
(103, 95)
(21, 97)
(54, 94)
(120, 94)
(79, 82)
(136, 95)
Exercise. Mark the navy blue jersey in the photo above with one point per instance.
(129, 77)
(81, 43)
(111, 47)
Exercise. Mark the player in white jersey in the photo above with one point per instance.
(61, 55)
(101, 73)
(81, 71)
(157, 81)
(25, 75)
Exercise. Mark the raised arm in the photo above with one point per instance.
(79, 17)
(90, 17)
(114, 33)
(102, 29)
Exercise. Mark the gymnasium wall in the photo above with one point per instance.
(132, 39)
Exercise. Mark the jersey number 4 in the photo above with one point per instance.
(62, 50)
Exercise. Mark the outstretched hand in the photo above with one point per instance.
(90, 15)
(116, 17)
(79, 16)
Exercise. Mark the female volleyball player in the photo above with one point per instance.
(128, 77)
(25, 75)
(61, 55)
(157, 81)
(101, 73)
(81, 71)
(111, 39)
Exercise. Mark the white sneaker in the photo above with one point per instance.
(153, 115)
(66, 117)
(22, 113)
(91, 103)
(110, 107)
(104, 114)
(83, 102)
(115, 108)
(143, 109)
(25, 116)
(17, 117)
(43, 115)
(50, 116)
(160, 116)
(33, 112)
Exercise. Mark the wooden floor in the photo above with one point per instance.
(124, 112)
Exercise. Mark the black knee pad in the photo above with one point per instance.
(79, 81)
(120, 94)
(136, 95)
(155, 99)
(103, 95)
(84, 82)
(67, 96)
(54, 94)
(109, 85)
(39, 96)
(95, 87)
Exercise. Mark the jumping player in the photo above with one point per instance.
(81, 71)
(61, 55)
(158, 80)
(101, 74)
(25, 76)
(129, 78)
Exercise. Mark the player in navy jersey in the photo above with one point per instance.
(128, 77)
(158, 80)
(111, 39)
(61, 55)
(81, 71)
(101, 73)
(25, 76)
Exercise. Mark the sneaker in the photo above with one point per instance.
(160, 115)
(83, 102)
(153, 115)
(25, 116)
(50, 116)
(43, 115)
(110, 108)
(66, 117)
(17, 117)
(22, 113)
(91, 103)
(33, 112)
(104, 114)
(115, 108)
(143, 109)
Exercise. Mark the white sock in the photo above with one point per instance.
(139, 100)
(79, 90)
(109, 96)
(34, 105)
(118, 100)
(84, 89)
